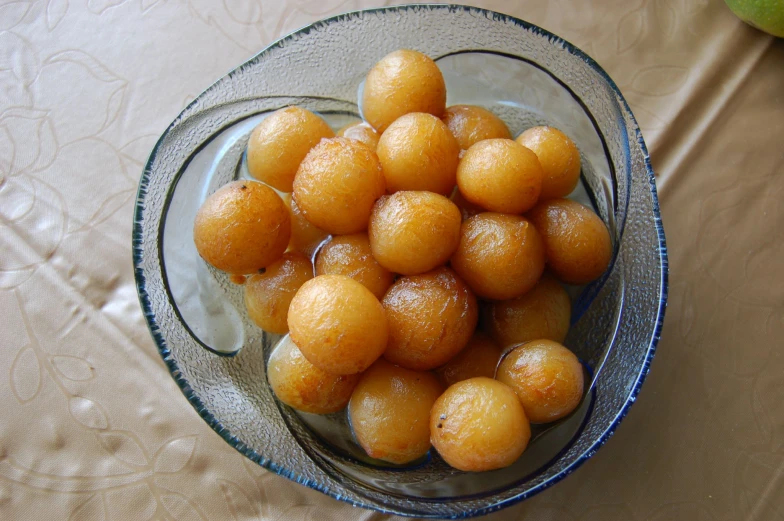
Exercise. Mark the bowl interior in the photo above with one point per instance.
(218, 356)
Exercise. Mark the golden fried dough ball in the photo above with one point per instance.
(500, 256)
(478, 424)
(337, 184)
(547, 378)
(361, 132)
(390, 412)
(543, 312)
(417, 152)
(303, 386)
(479, 358)
(242, 228)
(558, 156)
(414, 232)
(500, 175)
(576, 240)
(268, 294)
(338, 324)
(305, 236)
(350, 255)
(280, 142)
(431, 318)
(471, 124)
(402, 82)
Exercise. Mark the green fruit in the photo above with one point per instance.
(766, 15)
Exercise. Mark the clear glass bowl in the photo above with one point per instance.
(525, 75)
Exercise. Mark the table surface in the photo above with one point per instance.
(93, 427)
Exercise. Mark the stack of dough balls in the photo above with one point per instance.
(378, 249)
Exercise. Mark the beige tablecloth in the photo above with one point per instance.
(92, 425)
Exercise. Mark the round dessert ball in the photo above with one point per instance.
(479, 358)
(547, 378)
(558, 156)
(337, 184)
(471, 124)
(478, 424)
(280, 142)
(305, 236)
(361, 132)
(338, 324)
(576, 241)
(303, 386)
(542, 313)
(387, 398)
(499, 256)
(350, 255)
(268, 294)
(431, 318)
(242, 228)
(417, 152)
(402, 82)
(500, 175)
(414, 232)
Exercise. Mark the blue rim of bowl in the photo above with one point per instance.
(149, 315)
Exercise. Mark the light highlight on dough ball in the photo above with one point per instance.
(338, 324)
(542, 313)
(387, 398)
(558, 156)
(402, 82)
(351, 255)
(268, 294)
(500, 175)
(547, 378)
(241, 228)
(478, 425)
(414, 232)
(280, 142)
(417, 152)
(578, 245)
(303, 386)
(337, 184)
(471, 124)
(500, 256)
(431, 318)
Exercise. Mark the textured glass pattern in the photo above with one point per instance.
(525, 75)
